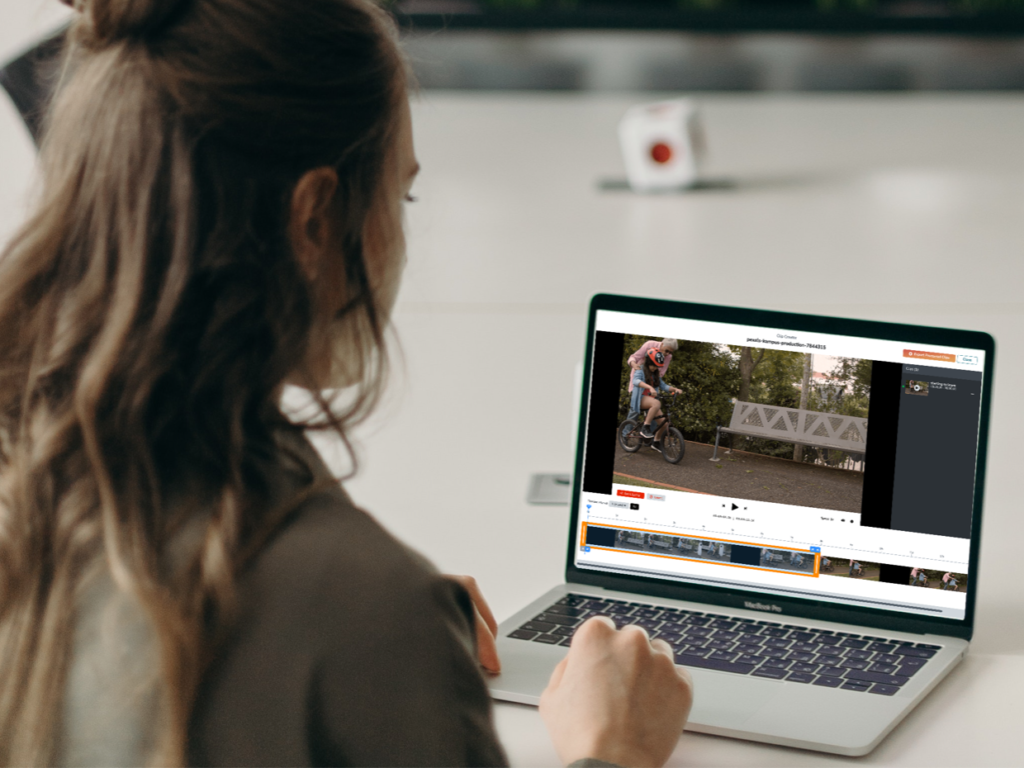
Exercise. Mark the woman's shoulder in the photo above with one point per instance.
(331, 554)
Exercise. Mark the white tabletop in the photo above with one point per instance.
(895, 208)
(904, 208)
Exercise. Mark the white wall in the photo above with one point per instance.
(22, 23)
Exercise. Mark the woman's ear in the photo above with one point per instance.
(311, 222)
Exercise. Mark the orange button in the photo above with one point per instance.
(941, 357)
(631, 494)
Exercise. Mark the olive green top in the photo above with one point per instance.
(349, 649)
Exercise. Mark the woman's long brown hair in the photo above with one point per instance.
(151, 311)
(652, 374)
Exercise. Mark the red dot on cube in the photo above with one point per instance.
(661, 152)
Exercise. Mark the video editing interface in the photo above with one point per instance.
(794, 463)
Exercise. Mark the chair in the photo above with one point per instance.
(29, 81)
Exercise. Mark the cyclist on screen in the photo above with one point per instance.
(646, 383)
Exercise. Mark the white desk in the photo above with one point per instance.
(891, 207)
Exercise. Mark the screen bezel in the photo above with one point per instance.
(735, 597)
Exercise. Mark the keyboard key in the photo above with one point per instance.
(720, 645)
(882, 647)
(876, 639)
(744, 648)
(854, 644)
(538, 626)
(800, 656)
(566, 641)
(776, 664)
(724, 634)
(548, 639)
(793, 626)
(829, 650)
(853, 664)
(854, 685)
(829, 640)
(598, 605)
(887, 658)
(522, 634)
(846, 634)
(553, 618)
(572, 600)
(775, 632)
(775, 674)
(699, 631)
(748, 658)
(799, 677)
(829, 682)
(906, 671)
(804, 637)
(769, 624)
(930, 647)
(809, 669)
(909, 661)
(723, 656)
(920, 653)
(875, 677)
(885, 690)
(806, 647)
(564, 631)
(855, 654)
(694, 652)
(775, 642)
(699, 621)
(716, 664)
(750, 639)
(670, 627)
(723, 624)
(566, 610)
(647, 613)
(772, 653)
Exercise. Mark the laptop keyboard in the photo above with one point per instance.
(746, 646)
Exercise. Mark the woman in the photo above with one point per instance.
(647, 383)
(181, 580)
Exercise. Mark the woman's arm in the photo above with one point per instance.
(638, 381)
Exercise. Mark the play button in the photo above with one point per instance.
(734, 507)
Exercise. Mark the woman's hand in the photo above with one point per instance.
(486, 626)
(676, 391)
(616, 697)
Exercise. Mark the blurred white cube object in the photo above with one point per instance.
(662, 145)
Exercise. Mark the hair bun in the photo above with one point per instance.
(116, 20)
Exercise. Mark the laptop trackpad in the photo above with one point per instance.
(728, 701)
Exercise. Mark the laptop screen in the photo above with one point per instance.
(784, 462)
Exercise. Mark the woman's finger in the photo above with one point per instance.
(486, 646)
(486, 626)
(470, 585)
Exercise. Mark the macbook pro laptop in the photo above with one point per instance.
(802, 527)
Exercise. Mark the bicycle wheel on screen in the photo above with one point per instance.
(673, 446)
(629, 436)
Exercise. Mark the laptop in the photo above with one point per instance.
(802, 526)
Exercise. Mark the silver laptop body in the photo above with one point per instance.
(815, 602)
